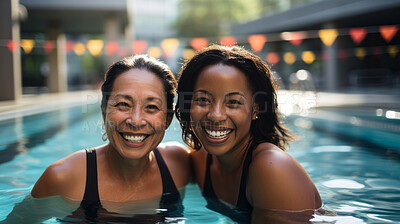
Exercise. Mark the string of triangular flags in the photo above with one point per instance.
(169, 46)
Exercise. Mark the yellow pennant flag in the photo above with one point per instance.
(154, 52)
(95, 47)
(27, 45)
(289, 58)
(393, 50)
(360, 53)
(328, 36)
(79, 49)
(188, 54)
(169, 46)
(308, 57)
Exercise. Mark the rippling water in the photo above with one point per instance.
(359, 183)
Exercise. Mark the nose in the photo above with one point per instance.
(217, 113)
(136, 118)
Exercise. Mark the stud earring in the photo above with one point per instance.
(256, 117)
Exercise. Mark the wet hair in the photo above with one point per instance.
(145, 62)
(261, 82)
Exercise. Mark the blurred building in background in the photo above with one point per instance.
(337, 45)
(358, 51)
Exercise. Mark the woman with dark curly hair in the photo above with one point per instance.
(228, 111)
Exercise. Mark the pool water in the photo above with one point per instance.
(357, 180)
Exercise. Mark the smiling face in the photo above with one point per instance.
(136, 114)
(221, 109)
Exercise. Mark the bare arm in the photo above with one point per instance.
(65, 177)
(277, 181)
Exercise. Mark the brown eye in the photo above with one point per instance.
(122, 105)
(153, 107)
(202, 101)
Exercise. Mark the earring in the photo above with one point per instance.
(104, 137)
(256, 117)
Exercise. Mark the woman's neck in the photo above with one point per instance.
(233, 160)
(130, 170)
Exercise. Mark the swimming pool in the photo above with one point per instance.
(359, 180)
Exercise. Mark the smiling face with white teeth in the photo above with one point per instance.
(136, 115)
(221, 109)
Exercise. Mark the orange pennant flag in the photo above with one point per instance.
(139, 46)
(228, 41)
(154, 52)
(199, 43)
(169, 46)
(79, 49)
(257, 42)
(328, 36)
(357, 34)
(388, 32)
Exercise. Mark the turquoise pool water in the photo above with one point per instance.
(358, 180)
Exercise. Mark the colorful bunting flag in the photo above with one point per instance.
(188, 54)
(328, 36)
(257, 42)
(199, 43)
(272, 58)
(111, 47)
(388, 32)
(95, 47)
(48, 46)
(139, 46)
(228, 41)
(79, 49)
(308, 57)
(357, 34)
(154, 52)
(12, 45)
(169, 46)
(295, 38)
(27, 45)
(289, 58)
(360, 53)
(393, 50)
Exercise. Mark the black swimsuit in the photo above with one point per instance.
(242, 212)
(93, 212)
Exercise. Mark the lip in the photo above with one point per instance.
(134, 144)
(217, 140)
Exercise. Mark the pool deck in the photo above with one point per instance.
(32, 104)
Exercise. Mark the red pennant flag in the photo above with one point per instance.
(227, 41)
(69, 46)
(358, 34)
(388, 32)
(139, 46)
(257, 42)
(377, 51)
(273, 58)
(12, 45)
(342, 54)
(48, 46)
(112, 47)
(198, 43)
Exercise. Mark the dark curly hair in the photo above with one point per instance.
(267, 127)
(145, 62)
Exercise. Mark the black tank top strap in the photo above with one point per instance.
(170, 193)
(91, 190)
(208, 190)
(242, 201)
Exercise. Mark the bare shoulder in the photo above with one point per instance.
(177, 157)
(63, 177)
(278, 181)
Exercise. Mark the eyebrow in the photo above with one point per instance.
(227, 95)
(236, 93)
(131, 99)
